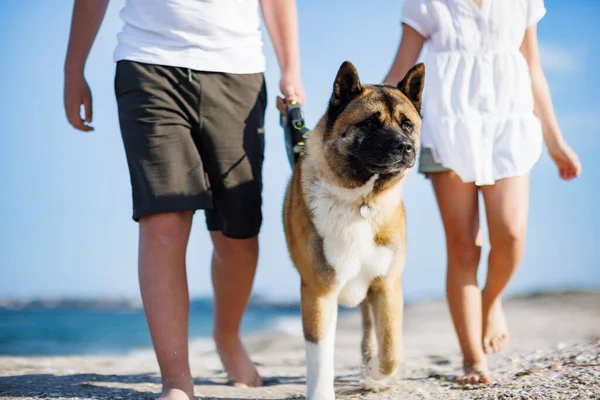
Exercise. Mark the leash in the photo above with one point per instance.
(295, 131)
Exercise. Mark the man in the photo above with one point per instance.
(191, 98)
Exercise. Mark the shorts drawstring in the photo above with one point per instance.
(189, 74)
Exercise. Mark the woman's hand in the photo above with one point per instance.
(567, 162)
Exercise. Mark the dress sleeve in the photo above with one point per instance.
(535, 11)
(417, 15)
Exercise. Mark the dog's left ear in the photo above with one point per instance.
(412, 84)
(345, 88)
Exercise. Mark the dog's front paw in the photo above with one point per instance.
(322, 394)
(374, 371)
(375, 377)
(378, 371)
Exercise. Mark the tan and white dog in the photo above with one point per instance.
(345, 223)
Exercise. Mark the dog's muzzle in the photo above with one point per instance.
(387, 153)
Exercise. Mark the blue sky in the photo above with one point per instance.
(65, 205)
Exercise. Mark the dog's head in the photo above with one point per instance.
(372, 129)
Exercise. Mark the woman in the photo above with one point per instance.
(486, 111)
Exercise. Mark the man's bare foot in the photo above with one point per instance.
(178, 389)
(177, 394)
(475, 373)
(240, 369)
(495, 329)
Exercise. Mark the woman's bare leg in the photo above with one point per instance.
(507, 204)
(458, 203)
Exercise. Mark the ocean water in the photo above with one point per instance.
(91, 332)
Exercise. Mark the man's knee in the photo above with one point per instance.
(227, 247)
(166, 227)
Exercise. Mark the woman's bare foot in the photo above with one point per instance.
(495, 329)
(240, 369)
(475, 373)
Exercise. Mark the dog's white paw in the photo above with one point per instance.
(322, 394)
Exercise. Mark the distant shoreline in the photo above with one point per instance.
(205, 303)
(119, 305)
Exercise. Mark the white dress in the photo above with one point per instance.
(478, 115)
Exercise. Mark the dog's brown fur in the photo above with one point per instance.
(395, 109)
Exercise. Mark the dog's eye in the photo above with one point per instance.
(406, 125)
(371, 123)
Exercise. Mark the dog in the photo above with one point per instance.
(345, 223)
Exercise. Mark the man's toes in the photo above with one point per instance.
(176, 394)
(474, 377)
(253, 381)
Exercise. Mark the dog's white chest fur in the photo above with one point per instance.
(349, 239)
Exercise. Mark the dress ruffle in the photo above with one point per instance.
(484, 149)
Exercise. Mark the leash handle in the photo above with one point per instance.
(295, 131)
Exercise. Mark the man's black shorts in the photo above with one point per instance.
(194, 140)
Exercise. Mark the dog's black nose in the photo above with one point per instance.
(405, 146)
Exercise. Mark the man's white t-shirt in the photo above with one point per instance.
(203, 35)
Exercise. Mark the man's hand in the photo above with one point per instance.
(85, 22)
(281, 19)
(77, 93)
(291, 88)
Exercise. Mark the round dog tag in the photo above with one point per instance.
(365, 210)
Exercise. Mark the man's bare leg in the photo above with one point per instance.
(233, 268)
(163, 284)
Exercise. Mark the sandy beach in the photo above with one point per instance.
(554, 354)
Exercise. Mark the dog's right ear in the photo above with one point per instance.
(345, 88)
